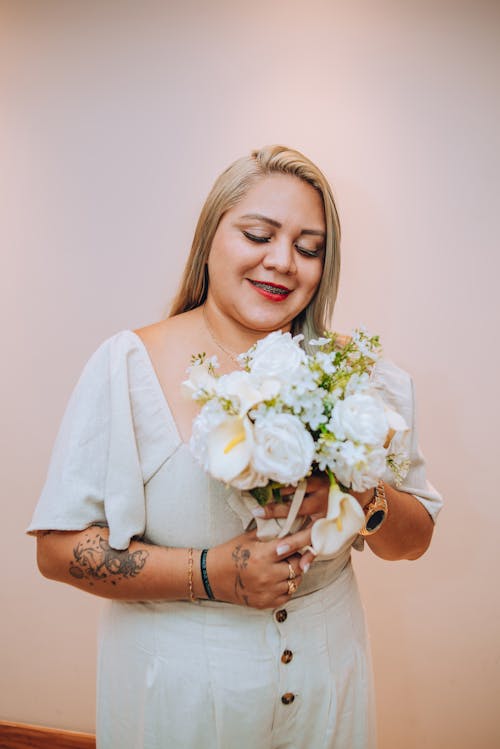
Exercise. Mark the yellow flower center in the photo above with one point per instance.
(235, 441)
(338, 523)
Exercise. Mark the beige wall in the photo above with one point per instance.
(116, 117)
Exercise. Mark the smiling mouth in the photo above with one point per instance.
(271, 288)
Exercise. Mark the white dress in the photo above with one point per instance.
(214, 675)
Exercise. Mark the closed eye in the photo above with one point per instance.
(307, 253)
(254, 238)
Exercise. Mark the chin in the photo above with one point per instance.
(266, 323)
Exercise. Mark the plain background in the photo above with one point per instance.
(116, 119)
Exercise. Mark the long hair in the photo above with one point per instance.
(228, 190)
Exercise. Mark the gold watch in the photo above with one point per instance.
(375, 511)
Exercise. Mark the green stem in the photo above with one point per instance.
(333, 480)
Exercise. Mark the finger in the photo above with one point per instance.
(318, 481)
(315, 482)
(272, 510)
(294, 562)
(306, 560)
(314, 504)
(291, 544)
(290, 587)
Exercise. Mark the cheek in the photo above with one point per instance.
(233, 259)
(312, 276)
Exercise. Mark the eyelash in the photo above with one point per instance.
(263, 240)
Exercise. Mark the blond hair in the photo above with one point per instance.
(228, 190)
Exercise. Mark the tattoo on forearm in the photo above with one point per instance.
(94, 559)
(240, 557)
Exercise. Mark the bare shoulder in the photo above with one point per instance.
(171, 333)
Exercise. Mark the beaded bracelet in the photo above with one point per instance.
(190, 576)
(204, 574)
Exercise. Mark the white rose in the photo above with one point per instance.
(283, 448)
(359, 467)
(277, 355)
(360, 418)
(249, 479)
(243, 390)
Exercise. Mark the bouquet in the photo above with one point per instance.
(286, 413)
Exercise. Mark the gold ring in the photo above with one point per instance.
(292, 587)
(291, 572)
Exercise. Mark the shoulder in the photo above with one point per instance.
(388, 373)
(172, 335)
(395, 385)
(122, 354)
(171, 327)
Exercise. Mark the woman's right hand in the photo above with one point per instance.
(256, 573)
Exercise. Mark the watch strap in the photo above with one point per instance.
(375, 511)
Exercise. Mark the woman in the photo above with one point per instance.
(268, 649)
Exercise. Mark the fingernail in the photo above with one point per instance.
(282, 549)
(305, 568)
(259, 512)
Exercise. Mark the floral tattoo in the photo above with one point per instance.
(94, 559)
(240, 557)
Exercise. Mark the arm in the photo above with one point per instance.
(243, 571)
(407, 530)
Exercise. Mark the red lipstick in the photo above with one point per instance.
(273, 291)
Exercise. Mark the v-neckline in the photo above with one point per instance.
(162, 394)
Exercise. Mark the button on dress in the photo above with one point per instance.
(206, 674)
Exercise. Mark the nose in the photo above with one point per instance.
(280, 256)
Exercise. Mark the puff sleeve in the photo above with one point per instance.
(110, 440)
(395, 386)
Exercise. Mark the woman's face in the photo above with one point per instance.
(266, 258)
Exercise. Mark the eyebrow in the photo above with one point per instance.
(273, 222)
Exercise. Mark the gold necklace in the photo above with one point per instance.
(232, 354)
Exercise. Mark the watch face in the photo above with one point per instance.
(375, 520)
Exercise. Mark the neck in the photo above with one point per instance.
(228, 334)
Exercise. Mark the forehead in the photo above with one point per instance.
(284, 198)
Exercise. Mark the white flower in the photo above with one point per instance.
(358, 383)
(398, 456)
(358, 466)
(244, 391)
(284, 449)
(361, 418)
(396, 423)
(211, 415)
(344, 519)
(201, 378)
(325, 361)
(230, 447)
(249, 479)
(319, 341)
(277, 355)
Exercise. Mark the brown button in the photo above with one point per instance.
(287, 698)
(281, 615)
(286, 656)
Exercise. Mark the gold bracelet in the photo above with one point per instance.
(190, 576)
